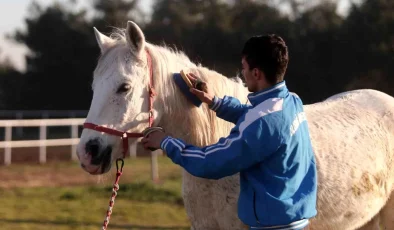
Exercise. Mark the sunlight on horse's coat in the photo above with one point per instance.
(352, 135)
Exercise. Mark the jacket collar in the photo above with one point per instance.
(278, 90)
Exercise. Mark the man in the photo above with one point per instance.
(270, 144)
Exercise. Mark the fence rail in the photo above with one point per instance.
(41, 122)
(43, 142)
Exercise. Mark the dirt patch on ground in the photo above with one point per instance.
(31, 155)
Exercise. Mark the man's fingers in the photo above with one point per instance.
(146, 143)
(193, 91)
(195, 82)
(144, 140)
(202, 86)
(196, 92)
(192, 76)
(193, 79)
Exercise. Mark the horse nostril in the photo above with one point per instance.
(92, 147)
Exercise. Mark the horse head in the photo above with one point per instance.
(133, 89)
(120, 97)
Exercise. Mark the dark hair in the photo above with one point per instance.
(269, 54)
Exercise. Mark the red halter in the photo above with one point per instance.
(125, 135)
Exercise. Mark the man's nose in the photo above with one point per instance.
(92, 147)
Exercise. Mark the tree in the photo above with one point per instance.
(314, 66)
(116, 13)
(10, 82)
(367, 45)
(64, 52)
(328, 53)
(63, 55)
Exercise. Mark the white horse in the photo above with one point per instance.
(352, 135)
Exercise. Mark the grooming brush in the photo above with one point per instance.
(184, 84)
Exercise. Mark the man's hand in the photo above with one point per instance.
(205, 95)
(153, 140)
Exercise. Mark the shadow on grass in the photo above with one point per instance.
(90, 224)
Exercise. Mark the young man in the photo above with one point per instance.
(270, 144)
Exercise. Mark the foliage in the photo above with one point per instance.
(329, 53)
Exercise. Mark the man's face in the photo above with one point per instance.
(248, 75)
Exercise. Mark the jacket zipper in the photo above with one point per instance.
(254, 207)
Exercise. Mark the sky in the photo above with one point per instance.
(13, 12)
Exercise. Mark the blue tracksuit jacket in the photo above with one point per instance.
(270, 146)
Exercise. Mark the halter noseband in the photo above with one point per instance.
(126, 135)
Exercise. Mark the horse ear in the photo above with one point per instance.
(103, 41)
(135, 38)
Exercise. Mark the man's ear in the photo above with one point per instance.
(257, 73)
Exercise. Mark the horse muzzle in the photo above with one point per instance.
(97, 158)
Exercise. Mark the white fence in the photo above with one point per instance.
(43, 142)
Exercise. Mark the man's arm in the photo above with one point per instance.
(239, 151)
(229, 108)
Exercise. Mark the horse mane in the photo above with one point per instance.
(198, 126)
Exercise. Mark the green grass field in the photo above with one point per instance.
(62, 196)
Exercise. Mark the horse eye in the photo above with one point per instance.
(123, 88)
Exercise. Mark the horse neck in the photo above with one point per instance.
(167, 62)
(198, 126)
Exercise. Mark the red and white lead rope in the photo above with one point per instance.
(119, 172)
(114, 192)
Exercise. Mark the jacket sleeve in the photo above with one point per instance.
(240, 150)
(229, 108)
